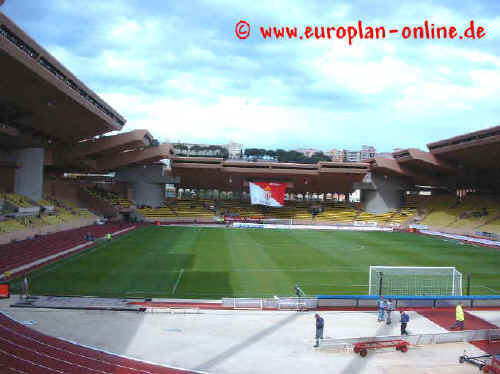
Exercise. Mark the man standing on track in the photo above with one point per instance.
(298, 291)
(405, 318)
(459, 316)
(26, 287)
(381, 306)
(320, 323)
(388, 310)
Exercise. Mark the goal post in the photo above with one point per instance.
(415, 281)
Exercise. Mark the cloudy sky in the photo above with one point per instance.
(178, 69)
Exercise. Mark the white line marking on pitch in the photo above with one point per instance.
(177, 281)
(489, 289)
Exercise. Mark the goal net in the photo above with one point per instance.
(415, 281)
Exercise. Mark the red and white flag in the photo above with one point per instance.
(267, 193)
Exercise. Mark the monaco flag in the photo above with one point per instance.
(267, 193)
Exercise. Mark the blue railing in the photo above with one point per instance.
(415, 300)
(398, 297)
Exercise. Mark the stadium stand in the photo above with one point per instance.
(23, 350)
(338, 214)
(469, 213)
(112, 197)
(328, 212)
(191, 208)
(163, 212)
(17, 200)
(492, 226)
(402, 216)
(24, 252)
(51, 212)
(11, 225)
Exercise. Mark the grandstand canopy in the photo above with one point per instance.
(42, 102)
(107, 153)
(422, 162)
(214, 173)
(475, 156)
(44, 105)
(479, 149)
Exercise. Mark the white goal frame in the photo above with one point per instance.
(453, 288)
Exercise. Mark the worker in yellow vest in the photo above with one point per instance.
(459, 317)
(108, 236)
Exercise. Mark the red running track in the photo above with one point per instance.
(23, 350)
(181, 305)
(491, 348)
(446, 317)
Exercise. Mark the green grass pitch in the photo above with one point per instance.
(191, 262)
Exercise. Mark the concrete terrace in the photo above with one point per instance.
(226, 341)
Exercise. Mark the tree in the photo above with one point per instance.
(251, 152)
(319, 156)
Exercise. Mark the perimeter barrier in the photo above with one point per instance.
(358, 301)
(280, 303)
(365, 301)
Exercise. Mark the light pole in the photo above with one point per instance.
(380, 282)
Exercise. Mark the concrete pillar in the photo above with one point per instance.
(29, 177)
(150, 194)
(384, 194)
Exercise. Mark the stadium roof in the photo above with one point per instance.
(422, 162)
(109, 152)
(147, 155)
(43, 102)
(479, 149)
(229, 175)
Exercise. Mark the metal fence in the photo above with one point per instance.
(277, 303)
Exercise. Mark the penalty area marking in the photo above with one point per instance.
(177, 281)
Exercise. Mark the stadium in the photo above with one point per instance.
(140, 259)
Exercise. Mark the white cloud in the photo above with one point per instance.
(180, 71)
